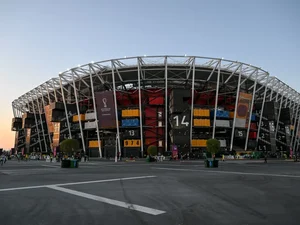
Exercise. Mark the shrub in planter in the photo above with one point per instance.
(152, 150)
(68, 146)
(213, 147)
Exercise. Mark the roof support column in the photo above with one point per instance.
(49, 136)
(37, 125)
(118, 142)
(216, 98)
(166, 103)
(78, 114)
(251, 109)
(95, 114)
(140, 107)
(235, 108)
(192, 103)
(42, 125)
(262, 110)
(65, 106)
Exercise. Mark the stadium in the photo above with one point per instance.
(123, 106)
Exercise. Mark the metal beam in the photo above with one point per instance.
(216, 99)
(235, 108)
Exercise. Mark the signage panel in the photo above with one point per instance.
(106, 109)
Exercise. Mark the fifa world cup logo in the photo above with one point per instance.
(104, 100)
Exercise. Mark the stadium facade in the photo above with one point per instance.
(126, 105)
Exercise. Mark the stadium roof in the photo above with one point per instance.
(55, 85)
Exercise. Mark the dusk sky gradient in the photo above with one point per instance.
(38, 39)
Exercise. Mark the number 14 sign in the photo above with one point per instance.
(181, 121)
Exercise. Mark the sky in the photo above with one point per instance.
(38, 39)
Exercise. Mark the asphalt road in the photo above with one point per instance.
(237, 193)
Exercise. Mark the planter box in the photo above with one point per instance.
(65, 163)
(69, 163)
(74, 163)
(209, 163)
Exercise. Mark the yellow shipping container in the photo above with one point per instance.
(196, 122)
(198, 143)
(130, 113)
(124, 113)
(201, 143)
(204, 112)
(94, 144)
(194, 143)
(201, 122)
(201, 112)
(135, 112)
(76, 118)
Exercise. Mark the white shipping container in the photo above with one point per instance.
(222, 143)
(240, 123)
(222, 123)
(90, 125)
(90, 116)
(160, 143)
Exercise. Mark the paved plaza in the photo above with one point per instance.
(102, 192)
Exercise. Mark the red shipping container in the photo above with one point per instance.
(150, 112)
(151, 122)
(150, 141)
(160, 131)
(252, 135)
(150, 133)
(253, 126)
(156, 101)
(201, 102)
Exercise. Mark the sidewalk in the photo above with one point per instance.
(240, 161)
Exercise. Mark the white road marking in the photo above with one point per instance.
(27, 171)
(22, 188)
(230, 172)
(51, 166)
(139, 208)
(75, 183)
(102, 181)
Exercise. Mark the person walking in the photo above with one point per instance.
(2, 159)
(266, 158)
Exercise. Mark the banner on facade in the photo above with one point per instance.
(243, 110)
(56, 134)
(27, 139)
(106, 109)
(48, 114)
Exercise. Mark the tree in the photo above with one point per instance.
(152, 150)
(213, 146)
(69, 145)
